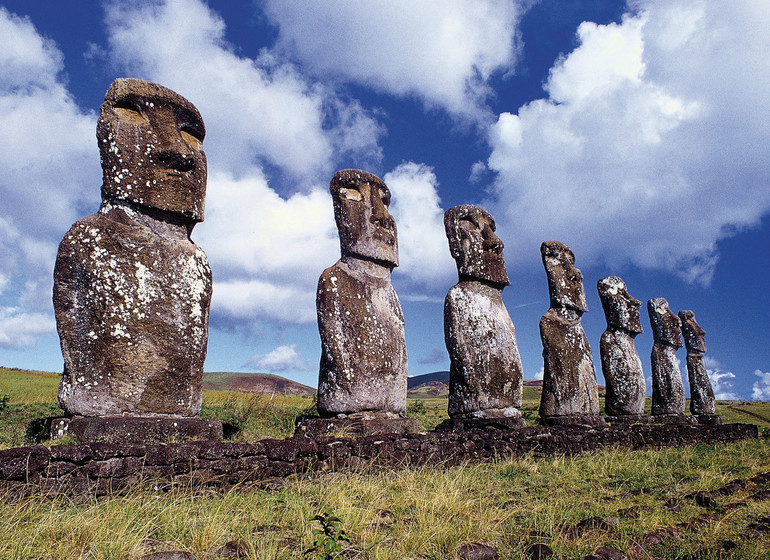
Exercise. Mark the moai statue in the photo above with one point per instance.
(570, 393)
(702, 403)
(363, 370)
(131, 290)
(667, 387)
(485, 378)
(621, 365)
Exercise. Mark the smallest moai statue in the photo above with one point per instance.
(621, 365)
(485, 378)
(702, 403)
(667, 388)
(570, 393)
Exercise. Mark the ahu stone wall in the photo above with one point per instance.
(101, 468)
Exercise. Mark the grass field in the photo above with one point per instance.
(573, 505)
(31, 395)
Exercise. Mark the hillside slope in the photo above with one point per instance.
(253, 383)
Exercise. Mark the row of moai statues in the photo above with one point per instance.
(132, 295)
(363, 371)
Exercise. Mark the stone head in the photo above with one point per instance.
(474, 245)
(366, 228)
(150, 144)
(666, 326)
(620, 308)
(565, 281)
(692, 332)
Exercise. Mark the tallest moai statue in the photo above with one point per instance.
(131, 290)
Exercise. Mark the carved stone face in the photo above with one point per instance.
(474, 245)
(150, 144)
(366, 228)
(693, 333)
(666, 326)
(565, 281)
(620, 308)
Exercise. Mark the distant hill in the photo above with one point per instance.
(436, 384)
(441, 376)
(253, 383)
(428, 385)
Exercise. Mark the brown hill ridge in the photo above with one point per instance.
(253, 383)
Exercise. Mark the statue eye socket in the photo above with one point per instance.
(192, 136)
(350, 193)
(129, 112)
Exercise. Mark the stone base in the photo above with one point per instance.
(713, 419)
(630, 419)
(591, 420)
(356, 425)
(469, 424)
(673, 419)
(136, 429)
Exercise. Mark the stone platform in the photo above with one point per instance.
(136, 429)
(468, 424)
(575, 420)
(355, 426)
(101, 468)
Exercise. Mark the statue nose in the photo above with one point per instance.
(492, 240)
(173, 152)
(380, 212)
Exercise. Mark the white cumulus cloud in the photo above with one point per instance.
(721, 380)
(50, 173)
(282, 358)
(651, 145)
(761, 389)
(19, 329)
(267, 251)
(255, 109)
(441, 51)
(423, 249)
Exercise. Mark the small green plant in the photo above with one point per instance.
(416, 407)
(327, 541)
(4, 402)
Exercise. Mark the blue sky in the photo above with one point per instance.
(635, 132)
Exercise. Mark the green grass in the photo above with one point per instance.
(421, 513)
(254, 415)
(32, 395)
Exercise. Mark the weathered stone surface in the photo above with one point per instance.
(131, 290)
(363, 350)
(569, 380)
(539, 552)
(621, 366)
(133, 429)
(701, 393)
(667, 387)
(100, 468)
(485, 376)
(169, 555)
(357, 425)
(468, 424)
(476, 551)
